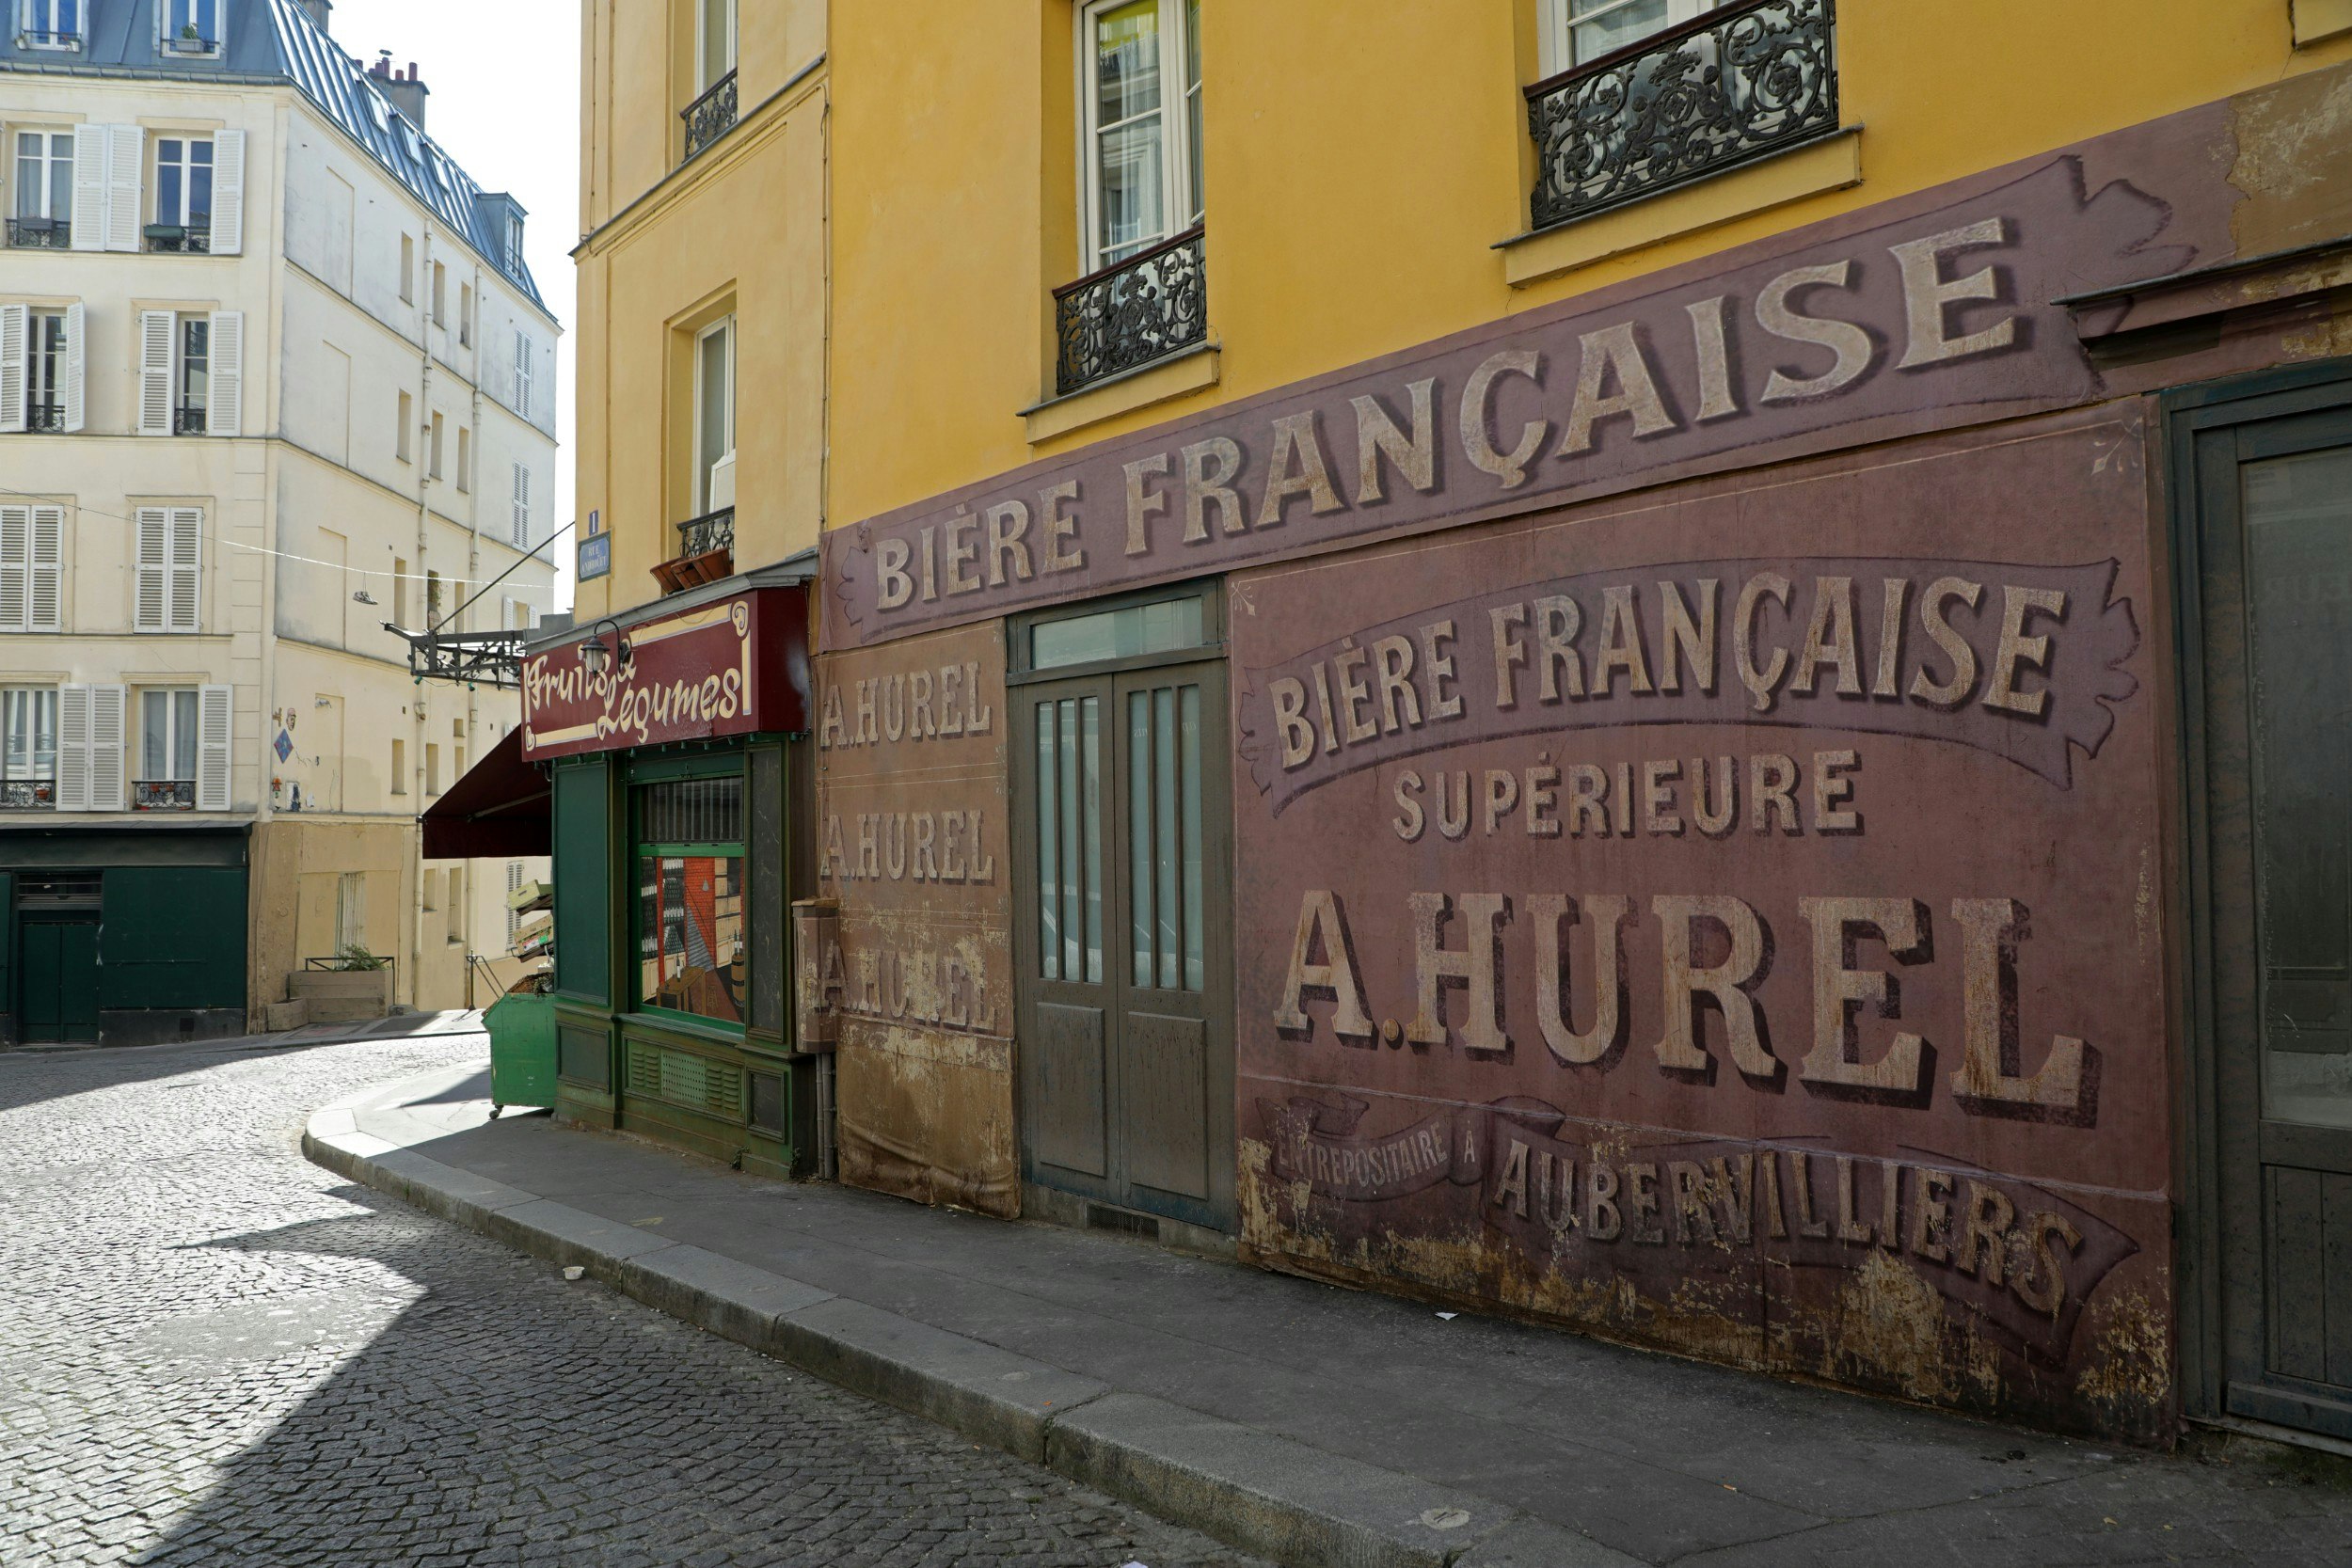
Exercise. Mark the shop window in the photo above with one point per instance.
(691, 939)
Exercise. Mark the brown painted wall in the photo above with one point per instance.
(912, 843)
(1852, 1062)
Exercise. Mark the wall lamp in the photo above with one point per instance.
(597, 657)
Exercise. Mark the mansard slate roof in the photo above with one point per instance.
(277, 39)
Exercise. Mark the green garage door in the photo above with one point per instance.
(59, 969)
(172, 937)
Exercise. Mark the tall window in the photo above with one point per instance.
(167, 736)
(514, 244)
(183, 182)
(691, 944)
(526, 373)
(1141, 104)
(464, 315)
(168, 568)
(44, 369)
(195, 374)
(191, 22)
(28, 747)
(53, 23)
(1576, 31)
(350, 909)
(714, 53)
(714, 412)
(44, 178)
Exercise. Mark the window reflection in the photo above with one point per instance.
(690, 935)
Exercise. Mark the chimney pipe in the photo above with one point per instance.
(318, 9)
(406, 93)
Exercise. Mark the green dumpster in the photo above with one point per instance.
(522, 1051)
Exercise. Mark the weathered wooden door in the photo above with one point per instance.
(1121, 818)
(2272, 498)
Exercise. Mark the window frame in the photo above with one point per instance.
(173, 738)
(36, 35)
(1178, 159)
(704, 78)
(700, 501)
(186, 166)
(41, 321)
(187, 323)
(1556, 28)
(724, 766)
(169, 24)
(25, 700)
(49, 160)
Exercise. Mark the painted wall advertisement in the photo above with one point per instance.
(1729, 919)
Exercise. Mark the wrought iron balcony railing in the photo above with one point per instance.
(712, 530)
(192, 239)
(44, 416)
(40, 233)
(1729, 85)
(28, 793)
(1131, 313)
(163, 795)
(34, 38)
(188, 420)
(709, 117)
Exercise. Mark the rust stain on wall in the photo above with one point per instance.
(1725, 922)
(912, 844)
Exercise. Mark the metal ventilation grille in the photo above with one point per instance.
(694, 1082)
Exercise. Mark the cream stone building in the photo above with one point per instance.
(273, 373)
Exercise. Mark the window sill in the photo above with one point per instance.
(1162, 379)
(2317, 20)
(1831, 163)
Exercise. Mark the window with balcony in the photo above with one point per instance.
(195, 380)
(713, 112)
(42, 217)
(191, 372)
(1646, 95)
(1141, 296)
(190, 26)
(40, 368)
(28, 748)
(183, 195)
(706, 548)
(50, 24)
(168, 746)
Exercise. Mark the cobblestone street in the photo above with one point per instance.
(212, 1351)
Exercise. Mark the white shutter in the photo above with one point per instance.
(76, 365)
(187, 529)
(522, 375)
(213, 731)
(228, 193)
(15, 334)
(522, 507)
(153, 550)
(156, 372)
(47, 611)
(226, 414)
(108, 707)
(16, 566)
(74, 748)
(126, 152)
(89, 187)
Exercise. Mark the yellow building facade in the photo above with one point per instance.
(1592, 658)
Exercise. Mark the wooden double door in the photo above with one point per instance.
(2264, 476)
(1121, 828)
(57, 978)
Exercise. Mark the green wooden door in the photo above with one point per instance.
(59, 974)
(2273, 502)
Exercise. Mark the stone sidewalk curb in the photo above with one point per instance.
(1261, 1493)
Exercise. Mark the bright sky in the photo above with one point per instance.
(504, 76)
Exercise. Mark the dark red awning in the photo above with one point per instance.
(499, 811)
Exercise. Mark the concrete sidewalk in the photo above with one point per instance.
(1311, 1424)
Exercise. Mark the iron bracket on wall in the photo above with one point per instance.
(465, 657)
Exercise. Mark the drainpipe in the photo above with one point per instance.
(418, 738)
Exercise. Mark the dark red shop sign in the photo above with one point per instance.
(736, 667)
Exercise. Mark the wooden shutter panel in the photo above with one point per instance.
(213, 731)
(108, 707)
(226, 414)
(76, 365)
(187, 530)
(522, 507)
(155, 328)
(16, 566)
(153, 527)
(15, 338)
(74, 748)
(47, 611)
(89, 187)
(228, 193)
(126, 149)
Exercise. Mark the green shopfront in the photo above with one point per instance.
(676, 742)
